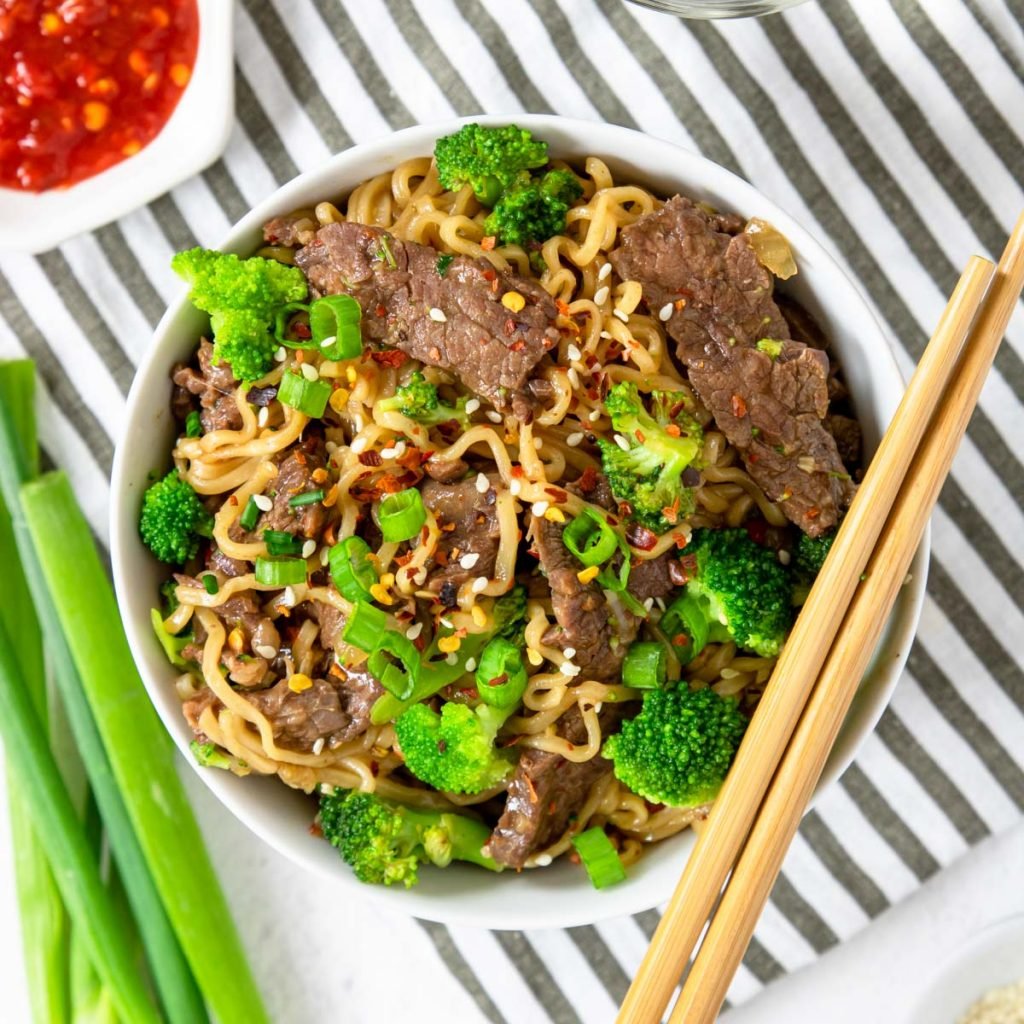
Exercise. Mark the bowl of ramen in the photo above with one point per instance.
(468, 496)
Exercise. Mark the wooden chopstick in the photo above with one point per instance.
(779, 817)
(733, 813)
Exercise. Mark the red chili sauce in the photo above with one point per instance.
(86, 83)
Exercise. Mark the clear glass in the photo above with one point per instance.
(718, 8)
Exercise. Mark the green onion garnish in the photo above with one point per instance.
(280, 572)
(193, 425)
(646, 666)
(501, 675)
(401, 515)
(385, 253)
(305, 396)
(686, 625)
(599, 857)
(281, 319)
(396, 663)
(279, 542)
(334, 325)
(589, 538)
(443, 262)
(250, 514)
(210, 583)
(352, 571)
(364, 626)
(307, 498)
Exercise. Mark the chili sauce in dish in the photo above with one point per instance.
(86, 83)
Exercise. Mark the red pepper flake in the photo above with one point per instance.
(757, 531)
(488, 243)
(813, 513)
(517, 346)
(739, 407)
(558, 494)
(672, 429)
(671, 512)
(302, 331)
(530, 789)
(562, 307)
(588, 480)
(393, 357)
(517, 470)
(680, 640)
(681, 540)
(639, 435)
(403, 559)
(233, 500)
(510, 327)
(441, 556)
(300, 458)
(490, 275)
(640, 537)
(435, 354)
(370, 458)
(381, 309)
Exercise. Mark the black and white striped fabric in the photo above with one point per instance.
(894, 129)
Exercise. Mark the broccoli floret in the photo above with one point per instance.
(810, 555)
(679, 747)
(488, 159)
(173, 519)
(534, 209)
(418, 400)
(661, 444)
(385, 843)
(242, 297)
(209, 755)
(741, 588)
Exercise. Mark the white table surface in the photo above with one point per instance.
(295, 934)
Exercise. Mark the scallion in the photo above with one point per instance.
(395, 662)
(645, 666)
(443, 262)
(280, 542)
(210, 583)
(334, 325)
(305, 396)
(193, 425)
(501, 674)
(351, 569)
(364, 626)
(687, 627)
(281, 320)
(401, 516)
(306, 498)
(250, 514)
(280, 572)
(600, 858)
(589, 538)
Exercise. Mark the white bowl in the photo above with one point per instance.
(561, 895)
(193, 137)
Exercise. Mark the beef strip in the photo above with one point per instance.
(214, 385)
(472, 514)
(331, 622)
(651, 577)
(445, 471)
(291, 229)
(194, 707)
(229, 566)
(546, 790)
(847, 433)
(295, 469)
(770, 409)
(456, 322)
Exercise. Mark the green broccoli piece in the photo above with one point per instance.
(488, 159)
(242, 298)
(678, 749)
(533, 209)
(173, 519)
(209, 755)
(419, 401)
(740, 592)
(509, 615)
(810, 555)
(661, 444)
(385, 843)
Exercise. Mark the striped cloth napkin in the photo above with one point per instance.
(894, 129)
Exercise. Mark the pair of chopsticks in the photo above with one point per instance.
(758, 811)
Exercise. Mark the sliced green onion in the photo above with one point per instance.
(443, 262)
(686, 625)
(589, 538)
(395, 663)
(250, 514)
(401, 515)
(645, 666)
(280, 542)
(305, 396)
(306, 498)
(599, 857)
(210, 583)
(384, 252)
(501, 675)
(284, 314)
(352, 571)
(334, 325)
(172, 645)
(280, 572)
(193, 425)
(364, 626)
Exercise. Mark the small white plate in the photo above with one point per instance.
(194, 136)
(991, 958)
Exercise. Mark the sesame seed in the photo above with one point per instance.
(807, 463)
(400, 449)
(539, 507)
(622, 442)
(594, 416)
(569, 669)
(574, 377)
(665, 313)
(288, 598)
(263, 417)
(310, 372)
(308, 548)
(570, 652)
(601, 295)
(357, 445)
(479, 584)
(910, 576)
(624, 317)
(437, 315)
(538, 443)
(573, 353)
(729, 673)
(467, 561)
(325, 555)
(542, 860)
(452, 659)
(414, 631)
(447, 623)
(649, 604)
(482, 483)
(472, 405)
(785, 557)
(574, 439)
(388, 453)
(660, 602)
(318, 746)
(471, 664)
(262, 502)
(515, 487)
(328, 342)
(606, 334)
(280, 355)
(605, 272)
(266, 651)
(494, 416)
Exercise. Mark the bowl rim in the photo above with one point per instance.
(690, 172)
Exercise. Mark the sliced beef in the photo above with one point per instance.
(456, 322)
(295, 469)
(194, 707)
(652, 577)
(229, 566)
(331, 622)
(291, 229)
(847, 433)
(332, 709)
(770, 408)
(214, 385)
(546, 790)
(469, 525)
(445, 471)
(258, 630)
